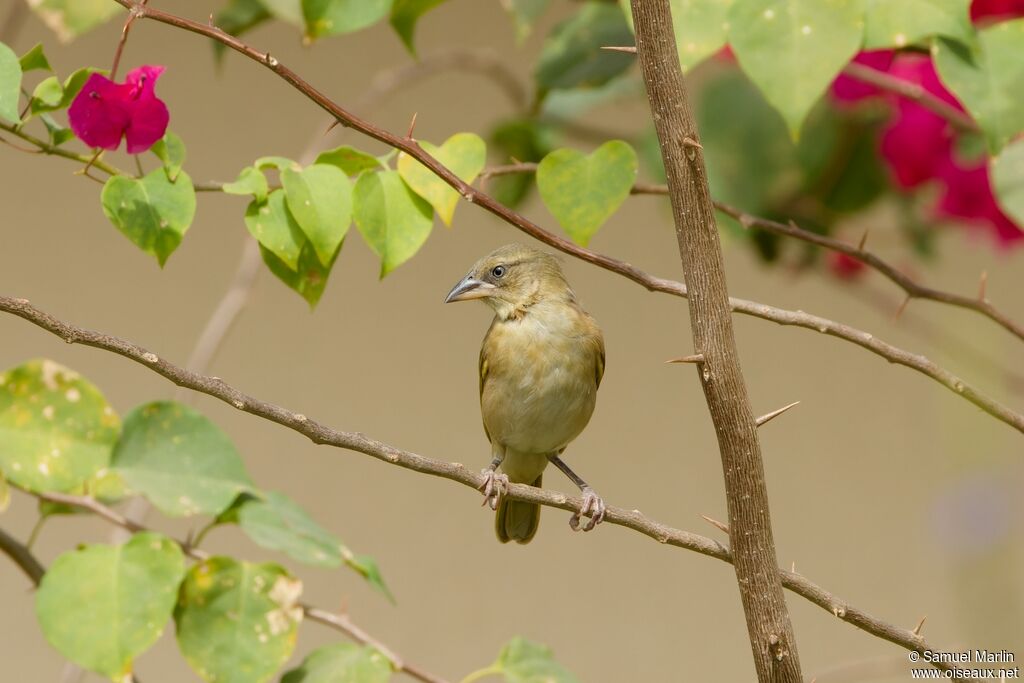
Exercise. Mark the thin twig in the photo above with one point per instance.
(132, 16)
(23, 557)
(453, 471)
(913, 92)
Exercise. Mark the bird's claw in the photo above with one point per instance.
(593, 508)
(494, 487)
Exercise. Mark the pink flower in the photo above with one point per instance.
(844, 266)
(847, 89)
(967, 196)
(103, 111)
(996, 9)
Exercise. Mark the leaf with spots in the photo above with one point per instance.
(56, 429)
(393, 219)
(274, 227)
(101, 606)
(319, 197)
(308, 278)
(582, 192)
(898, 24)
(572, 56)
(464, 154)
(988, 79)
(793, 49)
(522, 661)
(182, 462)
(700, 28)
(342, 663)
(237, 621)
(332, 17)
(153, 212)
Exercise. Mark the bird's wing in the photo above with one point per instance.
(483, 369)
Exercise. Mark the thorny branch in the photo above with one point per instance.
(355, 441)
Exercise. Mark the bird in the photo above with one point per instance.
(541, 363)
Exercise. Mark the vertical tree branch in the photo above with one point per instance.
(750, 532)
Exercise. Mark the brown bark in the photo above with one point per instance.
(750, 532)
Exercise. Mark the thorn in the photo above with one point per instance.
(774, 414)
(721, 526)
(903, 307)
(629, 49)
(695, 358)
(515, 161)
(863, 240)
(982, 285)
(792, 567)
(334, 124)
(690, 142)
(792, 224)
(210, 21)
(917, 629)
(747, 221)
(412, 126)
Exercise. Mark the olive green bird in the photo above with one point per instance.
(540, 366)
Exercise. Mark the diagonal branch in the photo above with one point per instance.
(355, 441)
(911, 287)
(23, 557)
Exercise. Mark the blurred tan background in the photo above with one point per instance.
(886, 488)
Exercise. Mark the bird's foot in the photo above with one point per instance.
(592, 507)
(494, 487)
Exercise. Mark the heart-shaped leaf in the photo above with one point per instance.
(153, 212)
(349, 159)
(582, 192)
(10, 84)
(182, 462)
(273, 226)
(793, 49)
(342, 663)
(989, 79)
(237, 622)
(1008, 180)
(103, 605)
(700, 27)
(56, 429)
(464, 154)
(309, 278)
(320, 199)
(393, 219)
(898, 24)
(331, 17)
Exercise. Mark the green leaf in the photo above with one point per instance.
(238, 17)
(405, 14)
(58, 133)
(250, 181)
(71, 18)
(56, 429)
(393, 219)
(153, 212)
(273, 226)
(274, 521)
(700, 27)
(572, 56)
(367, 567)
(524, 15)
(898, 24)
(331, 17)
(522, 139)
(47, 95)
(237, 622)
(286, 10)
(989, 80)
(171, 151)
(793, 49)
(101, 606)
(309, 278)
(10, 84)
(35, 59)
(1008, 180)
(5, 493)
(464, 154)
(181, 461)
(280, 163)
(582, 192)
(320, 199)
(341, 663)
(350, 160)
(522, 661)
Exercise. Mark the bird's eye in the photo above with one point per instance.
(498, 271)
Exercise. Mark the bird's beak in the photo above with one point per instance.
(469, 288)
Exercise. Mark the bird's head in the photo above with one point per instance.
(511, 279)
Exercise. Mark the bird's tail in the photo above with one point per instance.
(516, 520)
